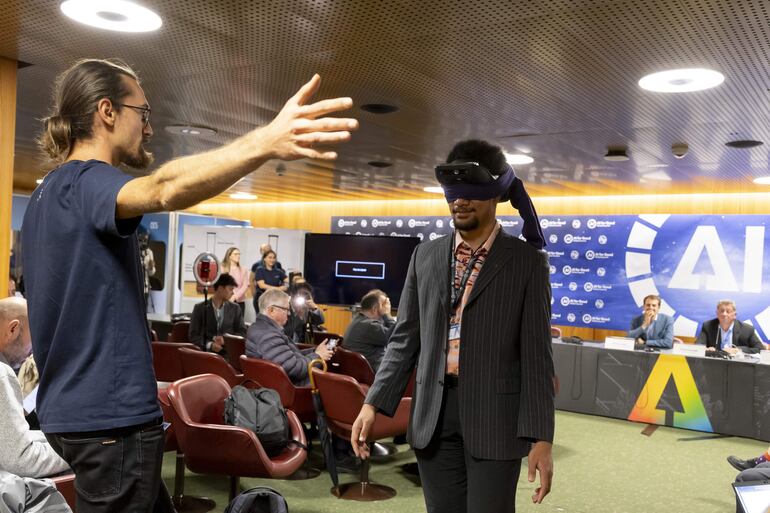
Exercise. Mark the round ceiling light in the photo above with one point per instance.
(190, 130)
(616, 154)
(681, 80)
(243, 196)
(379, 163)
(744, 143)
(517, 159)
(39, 181)
(378, 108)
(118, 15)
(434, 190)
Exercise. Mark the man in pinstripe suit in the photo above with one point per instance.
(484, 399)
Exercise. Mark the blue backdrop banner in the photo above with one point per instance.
(602, 267)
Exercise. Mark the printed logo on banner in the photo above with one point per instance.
(375, 223)
(576, 223)
(553, 238)
(602, 239)
(587, 318)
(564, 301)
(547, 223)
(574, 254)
(399, 223)
(420, 236)
(555, 254)
(601, 271)
(363, 223)
(154, 225)
(556, 284)
(552, 269)
(572, 286)
(452, 223)
(566, 270)
(433, 236)
(411, 223)
(591, 223)
(439, 223)
(693, 262)
(571, 317)
(588, 286)
(568, 238)
(590, 254)
(599, 304)
(651, 410)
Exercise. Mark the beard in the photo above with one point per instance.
(141, 159)
(17, 353)
(470, 223)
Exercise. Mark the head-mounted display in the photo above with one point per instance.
(472, 181)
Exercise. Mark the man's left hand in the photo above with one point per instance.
(540, 460)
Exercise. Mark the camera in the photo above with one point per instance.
(679, 150)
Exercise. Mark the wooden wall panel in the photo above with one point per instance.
(7, 136)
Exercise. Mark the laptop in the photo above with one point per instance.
(753, 496)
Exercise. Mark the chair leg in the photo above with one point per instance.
(187, 503)
(234, 486)
(364, 490)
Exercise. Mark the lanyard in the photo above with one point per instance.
(457, 291)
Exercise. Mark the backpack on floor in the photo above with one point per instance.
(261, 499)
(261, 411)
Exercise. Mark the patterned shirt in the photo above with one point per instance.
(463, 255)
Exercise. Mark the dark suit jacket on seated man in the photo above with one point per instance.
(370, 329)
(267, 341)
(728, 334)
(484, 389)
(222, 318)
(652, 329)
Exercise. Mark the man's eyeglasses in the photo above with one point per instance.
(145, 111)
(284, 308)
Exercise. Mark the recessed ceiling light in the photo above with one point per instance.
(190, 130)
(379, 108)
(517, 159)
(681, 80)
(660, 176)
(762, 180)
(243, 196)
(435, 190)
(39, 181)
(119, 15)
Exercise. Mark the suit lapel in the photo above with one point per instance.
(736, 333)
(439, 273)
(499, 255)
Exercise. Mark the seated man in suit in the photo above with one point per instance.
(728, 334)
(23, 452)
(370, 329)
(266, 339)
(222, 317)
(652, 329)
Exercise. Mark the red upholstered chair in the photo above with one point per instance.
(154, 335)
(352, 364)
(166, 360)
(212, 447)
(196, 362)
(555, 332)
(235, 346)
(182, 503)
(342, 398)
(271, 375)
(66, 486)
(180, 332)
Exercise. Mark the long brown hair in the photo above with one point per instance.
(75, 96)
(226, 259)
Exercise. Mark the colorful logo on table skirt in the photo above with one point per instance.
(671, 371)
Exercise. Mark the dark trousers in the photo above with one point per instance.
(759, 473)
(453, 481)
(116, 470)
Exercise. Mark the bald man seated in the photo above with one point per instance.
(23, 452)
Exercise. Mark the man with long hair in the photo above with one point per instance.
(97, 401)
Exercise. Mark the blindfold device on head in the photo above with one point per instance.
(472, 181)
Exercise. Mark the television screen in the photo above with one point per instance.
(342, 268)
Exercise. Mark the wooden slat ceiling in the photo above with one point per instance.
(555, 78)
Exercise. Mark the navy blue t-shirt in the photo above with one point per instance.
(274, 276)
(84, 282)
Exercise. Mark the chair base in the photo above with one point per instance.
(382, 450)
(191, 504)
(366, 492)
(303, 473)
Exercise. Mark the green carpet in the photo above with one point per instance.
(601, 465)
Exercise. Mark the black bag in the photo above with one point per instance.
(261, 411)
(261, 499)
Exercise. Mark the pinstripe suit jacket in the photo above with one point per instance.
(506, 390)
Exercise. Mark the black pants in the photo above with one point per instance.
(116, 470)
(453, 481)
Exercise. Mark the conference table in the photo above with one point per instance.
(730, 397)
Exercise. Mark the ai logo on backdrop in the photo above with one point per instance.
(694, 261)
(553, 238)
(571, 317)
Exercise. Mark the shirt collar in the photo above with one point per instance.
(729, 330)
(487, 243)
